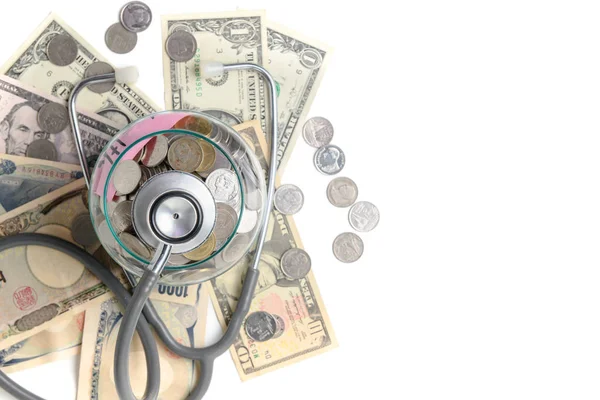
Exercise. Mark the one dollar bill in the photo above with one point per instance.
(122, 104)
(307, 330)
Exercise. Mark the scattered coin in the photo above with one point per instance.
(363, 216)
(224, 186)
(204, 250)
(121, 217)
(187, 315)
(82, 230)
(295, 263)
(126, 177)
(136, 16)
(53, 118)
(348, 247)
(329, 159)
(119, 40)
(185, 154)
(42, 149)
(181, 46)
(236, 248)
(99, 68)
(280, 326)
(317, 132)
(62, 50)
(155, 151)
(289, 199)
(260, 326)
(225, 224)
(342, 192)
(135, 245)
(248, 221)
(208, 156)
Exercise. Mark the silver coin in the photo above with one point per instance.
(62, 50)
(329, 159)
(280, 326)
(181, 46)
(126, 177)
(363, 216)
(42, 149)
(295, 263)
(119, 40)
(99, 68)
(236, 248)
(225, 224)
(248, 221)
(225, 187)
(260, 326)
(187, 315)
(342, 192)
(82, 230)
(225, 116)
(121, 217)
(177, 260)
(135, 245)
(155, 151)
(53, 118)
(348, 247)
(289, 199)
(136, 16)
(317, 132)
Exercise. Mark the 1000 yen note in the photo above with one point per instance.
(61, 340)
(177, 375)
(19, 127)
(25, 179)
(227, 37)
(303, 326)
(298, 65)
(30, 64)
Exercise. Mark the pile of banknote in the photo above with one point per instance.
(52, 307)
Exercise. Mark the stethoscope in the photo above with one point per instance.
(167, 233)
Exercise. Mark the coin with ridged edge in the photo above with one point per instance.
(329, 159)
(342, 192)
(204, 250)
(224, 186)
(181, 46)
(42, 149)
(62, 50)
(99, 68)
(317, 132)
(260, 326)
(126, 177)
(136, 16)
(363, 216)
(121, 217)
(53, 118)
(295, 263)
(155, 151)
(185, 154)
(348, 247)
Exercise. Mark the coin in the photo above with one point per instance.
(224, 116)
(121, 217)
(181, 46)
(260, 326)
(155, 151)
(195, 124)
(119, 40)
(288, 199)
(42, 149)
(208, 156)
(248, 221)
(225, 223)
(177, 260)
(224, 186)
(204, 250)
(185, 154)
(236, 248)
(82, 230)
(348, 247)
(329, 159)
(342, 192)
(317, 132)
(295, 263)
(135, 245)
(99, 68)
(136, 16)
(280, 326)
(221, 162)
(62, 50)
(363, 216)
(53, 118)
(126, 177)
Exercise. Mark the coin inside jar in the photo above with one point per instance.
(62, 50)
(53, 118)
(204, 250)
(42, 149)
(195, 124)
(99, 68)
(185, 154)
(208, 156)
(155, 151)
(225, 223)
(121, 216)
(224, 186)
(135, 245)
(126, 177)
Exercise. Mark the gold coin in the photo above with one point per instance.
(185, 154)
(194, 124)
(204, 250)
(208, 156)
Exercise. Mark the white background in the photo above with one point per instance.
(474, 127)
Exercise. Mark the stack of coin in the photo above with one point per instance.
(121, 37)
(261, 326)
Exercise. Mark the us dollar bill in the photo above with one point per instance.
(122, 104)
(298, 65)
(306, 329)
(227, 37)
(25, 179)
(59, 341)
(102, 325)
(19, 107)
